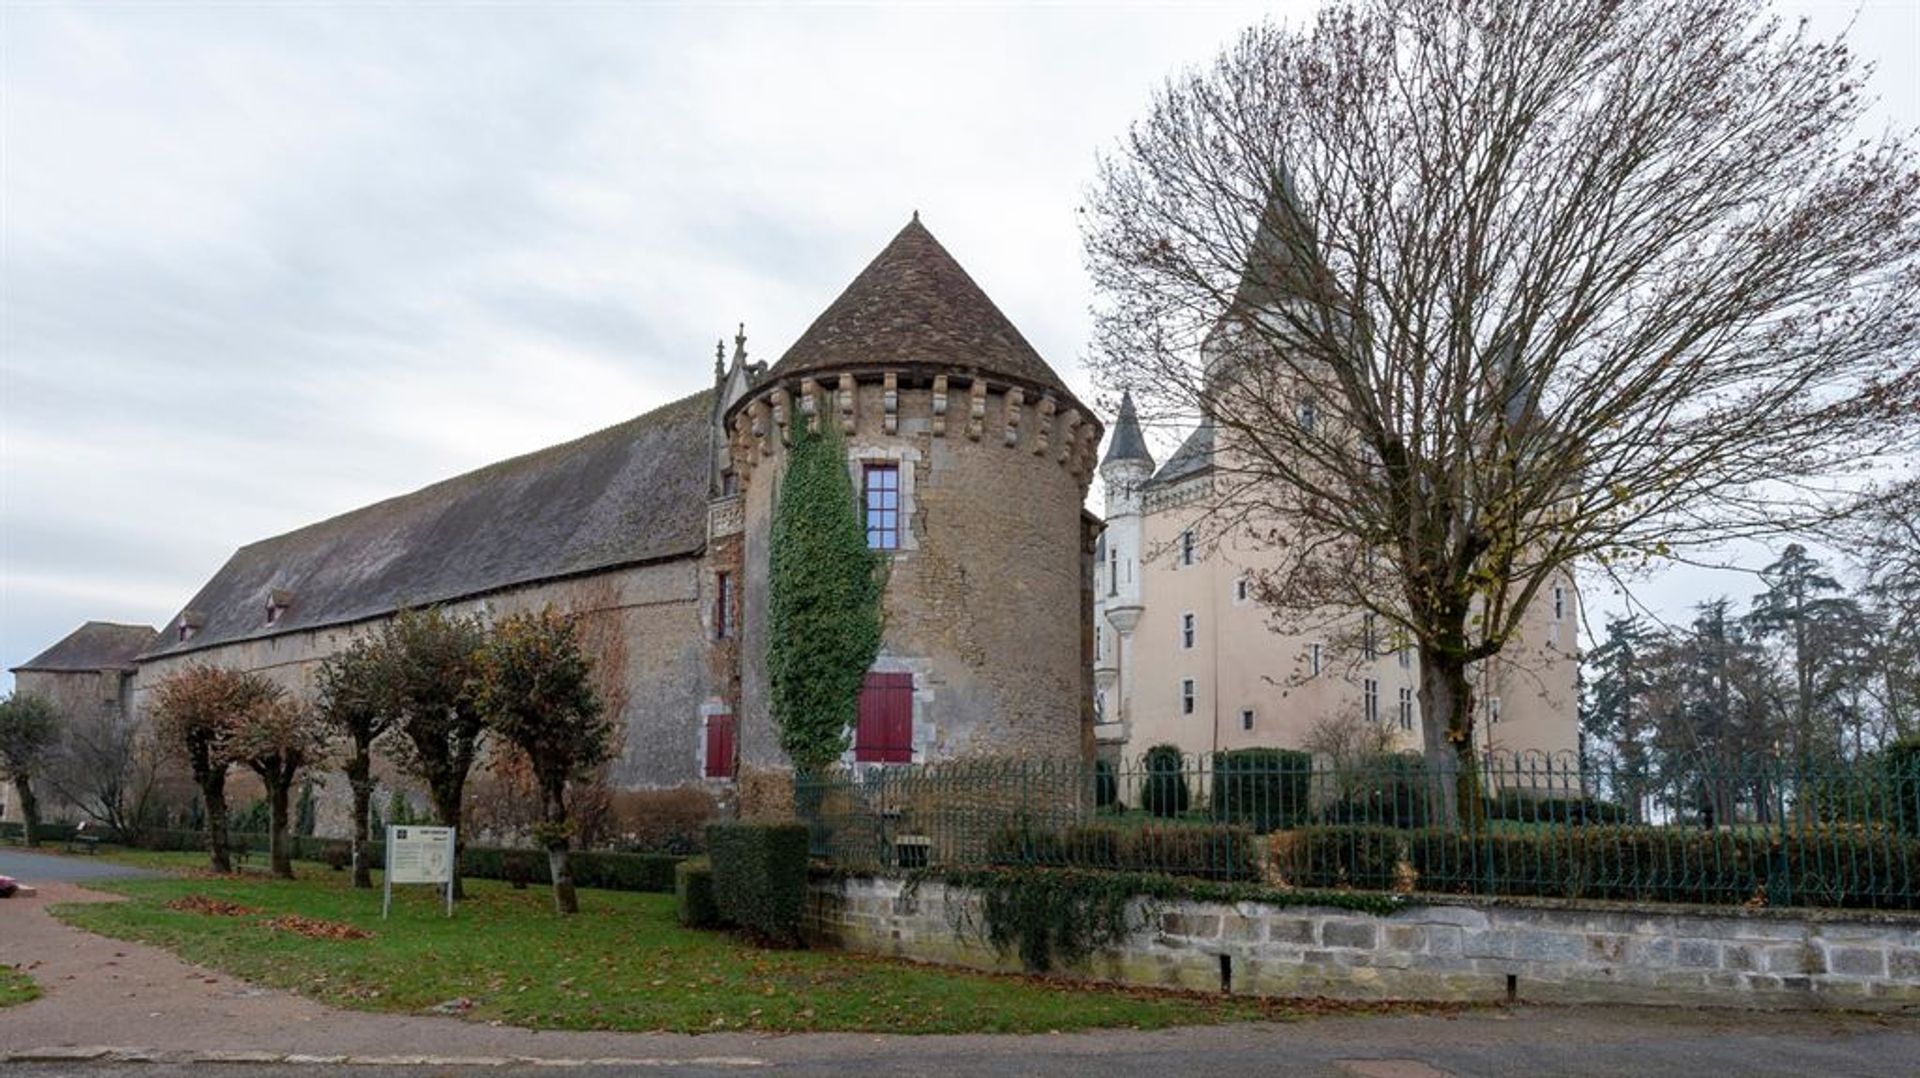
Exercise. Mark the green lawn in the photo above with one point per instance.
(623, 963)
(16, 987)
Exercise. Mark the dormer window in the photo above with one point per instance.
(278, 600)
(190, 623)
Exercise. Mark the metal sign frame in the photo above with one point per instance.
(453, 864)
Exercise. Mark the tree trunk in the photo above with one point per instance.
(559, 863)
(1446, 708)
(446, 805)
(213, 792)
(279, 857)
(29, 810)
(360, 777)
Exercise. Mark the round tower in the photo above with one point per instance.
(1124, 471)
(971, 460)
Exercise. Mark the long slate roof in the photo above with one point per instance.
(97, 645)
(914, 305)
(632, 493)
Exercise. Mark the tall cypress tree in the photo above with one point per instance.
(823, 604)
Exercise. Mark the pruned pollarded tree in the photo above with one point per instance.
(354, 697)
(433, 671)
(1475, 293)
(29, 732)
(279, 740)
(536, 691)
(195, 711)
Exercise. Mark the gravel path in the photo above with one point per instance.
(165, 1013)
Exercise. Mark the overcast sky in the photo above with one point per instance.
(261, 264)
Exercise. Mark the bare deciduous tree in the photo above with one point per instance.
(1473, 293)
(109, 767)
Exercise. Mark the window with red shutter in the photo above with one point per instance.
(884, 734)
(719, 746)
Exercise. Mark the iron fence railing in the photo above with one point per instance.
(1704, 830)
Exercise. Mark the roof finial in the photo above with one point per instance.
(916, 217)
(740, 343)
(719, 360)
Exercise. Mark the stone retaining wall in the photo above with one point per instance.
(1550, 952)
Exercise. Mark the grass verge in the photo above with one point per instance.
(624, 963)
(16, 987)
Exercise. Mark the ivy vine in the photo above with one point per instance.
(823, 603)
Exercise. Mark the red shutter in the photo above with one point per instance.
(720, 746)
(885, 732)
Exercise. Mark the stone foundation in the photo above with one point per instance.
(1537, 951)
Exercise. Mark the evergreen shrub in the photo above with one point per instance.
(760, 878)
(1262, 788)
(693, 895)
(1166, 792)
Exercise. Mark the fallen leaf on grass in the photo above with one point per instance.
(314, 928)
(212, 907)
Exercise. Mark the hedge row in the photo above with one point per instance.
(606, 870)
(1828, 867)
(760, 878)
(1208, 852)
(693, 894)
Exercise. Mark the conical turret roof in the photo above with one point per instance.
(914, 306)
(1128, 443)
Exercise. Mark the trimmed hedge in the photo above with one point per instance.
(1208, 852)
(603, 869)
(1833, 867)
(1519, 806)
(1390, 790)
(760, 878)
(1262, 788)
(1902, 764)
(693, 897)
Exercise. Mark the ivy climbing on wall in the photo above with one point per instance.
(823, 604)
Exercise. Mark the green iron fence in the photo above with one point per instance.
(1699, 829)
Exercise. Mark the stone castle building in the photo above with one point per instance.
(972, 460)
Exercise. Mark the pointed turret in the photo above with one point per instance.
(1127, 442)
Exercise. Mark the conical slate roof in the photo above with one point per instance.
(1127, 443)
(914, 305)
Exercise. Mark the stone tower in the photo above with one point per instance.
(972, 460)
(1125, 471)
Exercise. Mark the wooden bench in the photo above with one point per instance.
(79, 843)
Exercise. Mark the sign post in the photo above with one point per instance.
(418, 855)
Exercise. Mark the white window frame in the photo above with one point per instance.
(1186, 547)
(1370, 700)
(1188, 696)
(1369, 647)
(1189, 630)
(1406, 709)
(1246, 719)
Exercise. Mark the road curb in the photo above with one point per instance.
(113, 1054)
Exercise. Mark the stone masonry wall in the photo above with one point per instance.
(1548, 953)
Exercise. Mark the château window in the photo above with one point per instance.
(1371, 688)
(1493, 709)
(1369, 649)
(1113, 572)
(1406, 709)
(1309, 415)
(1186, 548)
(1313, 659)
(1186, 630)
(1559, 602)
(723, 606)
(1242, 590)
(1186, 696)
(1246, 719)
(880, 496)
(729, 483)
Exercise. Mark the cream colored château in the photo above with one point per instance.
(1186, 655)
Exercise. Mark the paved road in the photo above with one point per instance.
(179, 1018)
(36, 868)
